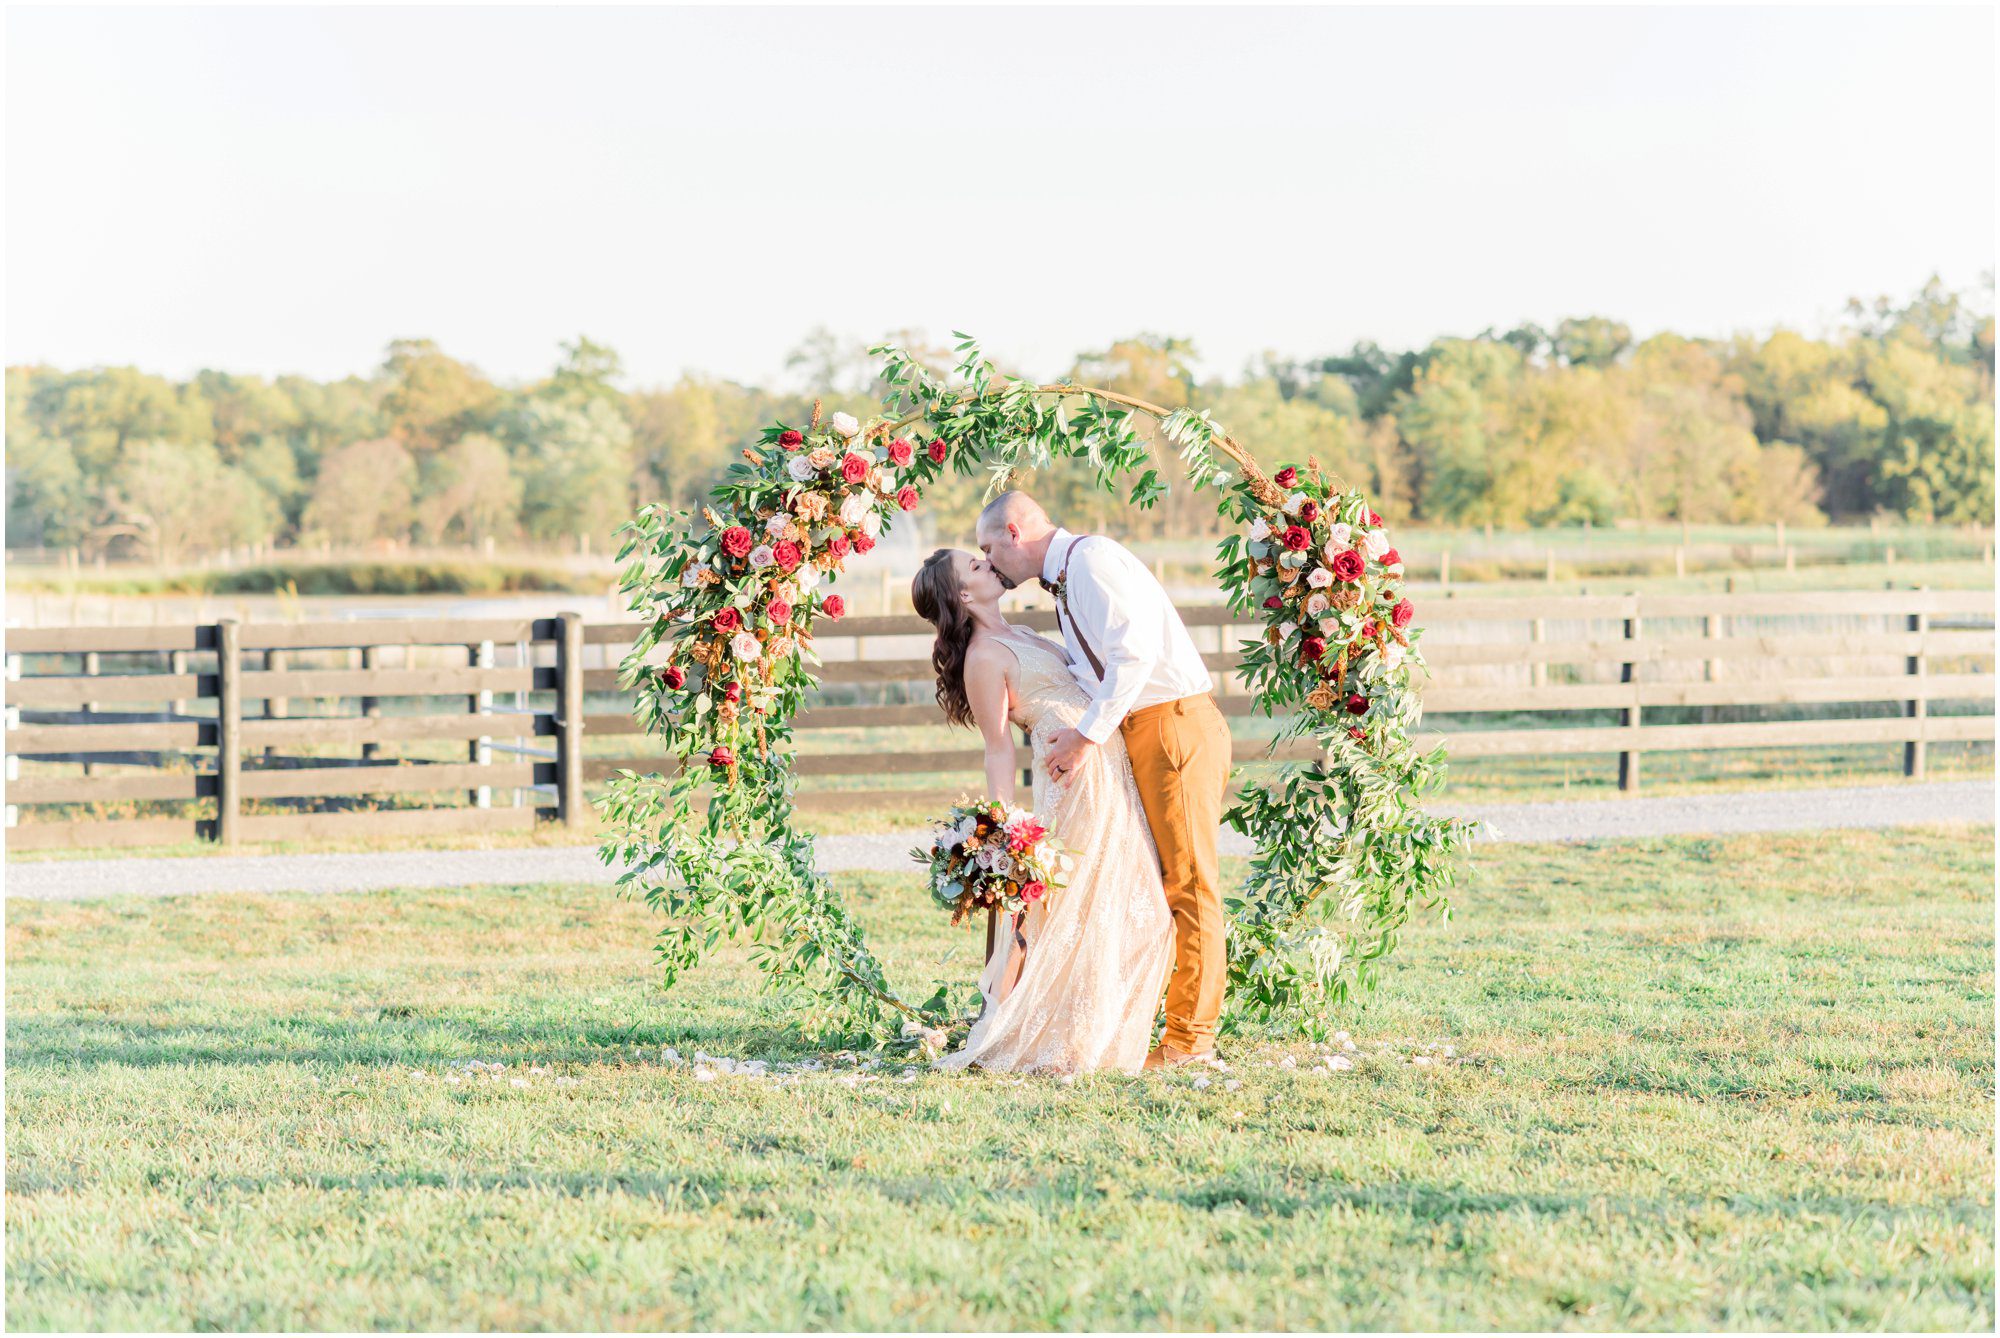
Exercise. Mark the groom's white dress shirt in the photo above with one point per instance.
(1133, 627)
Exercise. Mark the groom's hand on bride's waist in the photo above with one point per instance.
(1068, 751)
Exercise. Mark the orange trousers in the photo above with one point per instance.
(1180, 758)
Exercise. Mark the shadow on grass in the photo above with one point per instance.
(76, 1043)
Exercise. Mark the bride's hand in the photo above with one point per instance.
(1068, 752)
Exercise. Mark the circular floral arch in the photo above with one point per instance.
(1345, 851)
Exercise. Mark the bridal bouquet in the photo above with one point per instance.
(994, 856)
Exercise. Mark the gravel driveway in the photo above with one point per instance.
(1589, 820)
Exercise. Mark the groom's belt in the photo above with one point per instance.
(1178, 706)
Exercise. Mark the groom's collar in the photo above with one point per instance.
(1052, 559)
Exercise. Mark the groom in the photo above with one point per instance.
(1132, 654)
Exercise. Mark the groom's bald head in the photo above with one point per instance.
(1013, 532)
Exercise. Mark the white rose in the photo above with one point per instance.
(1286, 628)
(762, 556)
(800, 469)
(1392, 656)
(691, 575)
(777, 524)
(1317, 604)
(1294, 502)
(871, 523)
(1374, 543)
(857, 505)
(1260, 530)
(1319, 578)
(844, 424)
(1340, 536)
(808, 578)
(746, 646)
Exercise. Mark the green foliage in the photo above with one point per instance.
(1890, 415)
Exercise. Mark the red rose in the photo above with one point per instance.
(1368, 628)
(1287, 477)
(1312, 648)
(1402, 613)
(733, 692)
(1354, 732)
(899, 452)
(837, 545)
(736, 541)
(853, 468)
(906, 497)
(1033, 890)
(1298, 538)
(1308, 511)
(791, 439)
(1274, 602)
(864, 542)
(722, 757)
(833, 606)
(728, 620)
(937, 450)
(1357, 705)
(673, 676)
(787, 555)
(779, 612)
(1374, 519)
(1349, 565)
(1391, 558)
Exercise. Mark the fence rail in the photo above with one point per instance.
(204, 715)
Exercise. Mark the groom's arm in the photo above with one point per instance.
(1109, 608)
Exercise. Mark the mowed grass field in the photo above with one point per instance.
(1741, 1083)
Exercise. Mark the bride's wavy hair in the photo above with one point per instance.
(935, 592)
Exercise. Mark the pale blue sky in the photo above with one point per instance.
(287, 189)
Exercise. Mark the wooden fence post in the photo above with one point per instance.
(481, 703)
(569, 719)
(1538, 672)
(1628, 672)
(1444, 568)
(92, 665)
(1918, 707)
(13, 811)
(371, 707)
(1711, 669)
(228, 729)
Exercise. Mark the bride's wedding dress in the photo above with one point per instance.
(1100, 949)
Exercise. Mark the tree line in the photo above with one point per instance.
(1891, 414)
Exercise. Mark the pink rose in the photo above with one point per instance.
(864, 542)
(779, 612)
(837, 545)
(1034, 890)
(906, 497)
(936, 450)
(787, 555)
(1402, 613)
(853, 468)
(833, 606)
(899, 453)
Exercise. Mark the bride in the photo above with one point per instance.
(1076, 979)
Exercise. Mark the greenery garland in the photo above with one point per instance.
(1345, 851)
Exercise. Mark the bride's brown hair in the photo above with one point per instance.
(935, 592)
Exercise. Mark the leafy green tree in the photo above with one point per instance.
(430, 399)
(576, 467)
(182, 499)
(1591, 341)
(365, 491)
(468, 492)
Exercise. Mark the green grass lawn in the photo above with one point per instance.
(1742, 1083)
